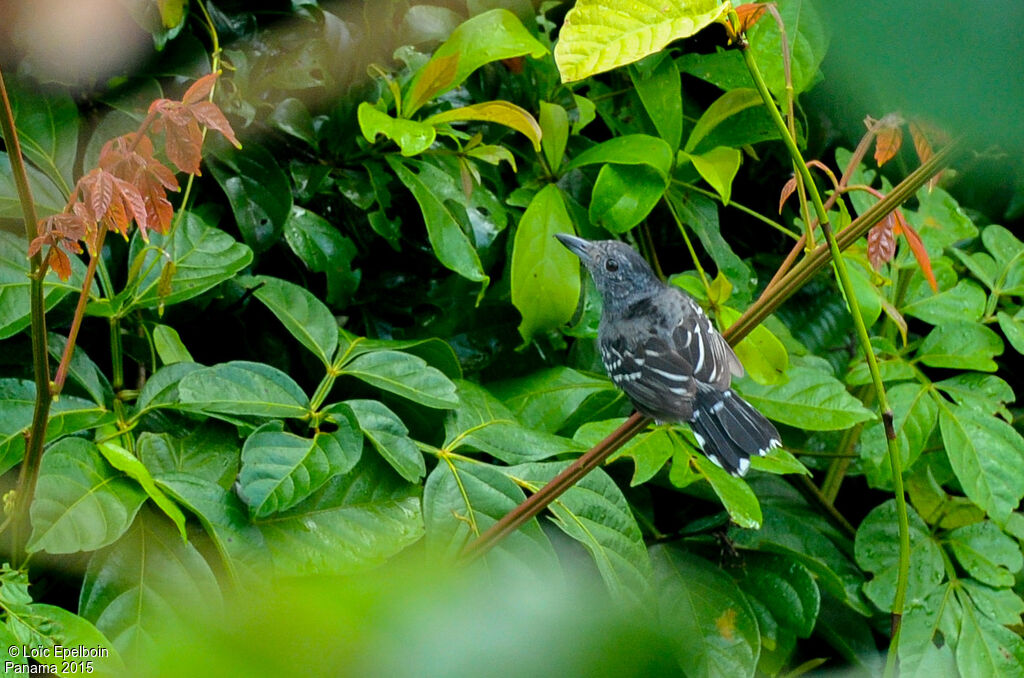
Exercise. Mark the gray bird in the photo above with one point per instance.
(660, 348)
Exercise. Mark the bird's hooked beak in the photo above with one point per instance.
(578, 246)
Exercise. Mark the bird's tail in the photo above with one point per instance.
(729, 430)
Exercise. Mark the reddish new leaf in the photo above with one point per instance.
(787, 191)
(889, 138)
(200, 89)
(882, 241)
(180, 120)
(62, 233)
(750, 14)
(917, 247)
(922, 134)
(207, 113)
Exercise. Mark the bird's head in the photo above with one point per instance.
(620, 273)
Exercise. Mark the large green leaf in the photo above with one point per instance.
(281, 469)
(987, 553)
(324, 250)
(302, 314)
(53, 633)
(722, 108)
(388, 434)
(482, 422)
(624, 195)
(161, 389)
(445, 231)
(226, 520)
(987, 648)
(412, 136)
(210, 452)
(68, 415)
(485, 38)
(965, 301)
(356, 521)
(962, 346)
(786, 588)
(547, 399)
(127, 463)
(630, 149)
(599, 35)
(545, 275)
(257, 188)
(147, 581)
(812, 399)
(718, 167)
(737, 497)
(763, 356)
(808, 37)
(403, 374)
(199, 255)
(877, 551)
(437, 352)
(499, 112)
(463, 498)
(15, 314)
(987, 455)
(656, 81)
(594, 512)
(244, 388)
(47, 126)
(81, 503)
(48, 198)
(705, 613)
(928, 626)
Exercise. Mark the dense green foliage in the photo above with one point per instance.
(359, 346)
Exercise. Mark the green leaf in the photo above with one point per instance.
(463, 498)
(1013, 327)
(597, 37)
(292, 117)
(877, 551)
(389, 436)
(403, 374)
(257, 188)
(987, 455)
(984, 392)
(53, 626)
(554, 125)
(700, 213)
(737, 497)
(437, 352)
(80, 503)
(630, 149)
(786, 588)
(168, 345)
(161, 389)
(48, 198)
(324, 250)
(302, 314)
(915, 413)
(150, 579)
(986, 648)
(987, 553)
(202, 257)
(1001, 605)
(546, 399)
(649, 449)
(545, 275)
(928, 627)
(448, 239)
(15, 314)
(964, 302)
(764, 357)
(718, 167)
(500, 112)
(1008, 252)
(624, 195)
(808, 37)
(812, 399)
(482, 422)
(127, 463)
(594, 512)
(722, 108)
(356, 521)
(780, 462)
(210, 452)
(47, 126)
(244, 388)
(485, 38)
(68, 415)
(281, 469)
(660, 92)
(413, 137)
(226, 520)
(705, 613)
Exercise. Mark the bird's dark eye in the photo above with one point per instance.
(611, 265)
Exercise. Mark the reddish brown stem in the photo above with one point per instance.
(76, 321)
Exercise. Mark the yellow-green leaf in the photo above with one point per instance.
(599, 35)
(129, 464)
(501, 112)
(763, 356)
(718, 167)
(413, 137)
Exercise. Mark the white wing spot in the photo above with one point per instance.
(744, 465)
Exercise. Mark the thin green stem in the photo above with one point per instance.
(36, 435)
(689, 246)
(865, 341)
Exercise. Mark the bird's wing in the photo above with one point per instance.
(655, 377)
(697, 341)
